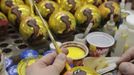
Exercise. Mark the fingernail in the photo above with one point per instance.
(62, 56)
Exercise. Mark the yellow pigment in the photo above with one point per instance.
(75, 52)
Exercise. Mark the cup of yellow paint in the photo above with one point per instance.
(76, 50)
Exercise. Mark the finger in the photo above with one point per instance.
(68, 73)
(127, 56)
(118, 73)
(59, 62)
(47, 59)
(126, 68)
(69, 60)
(65, 50)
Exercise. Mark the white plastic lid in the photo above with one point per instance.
(100, 39)
(130, 21)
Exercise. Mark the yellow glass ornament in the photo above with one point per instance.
(46, 8)
(108, 8)
(17, 13)
(95, 2)
(36, 1)
(70, 5)
(62, 22)
(32, 28)
(7, 4)
(86, 14)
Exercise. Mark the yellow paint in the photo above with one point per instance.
(75, 52)
(30, 62)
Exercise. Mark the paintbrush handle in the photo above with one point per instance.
(47, 28)
(51, 36)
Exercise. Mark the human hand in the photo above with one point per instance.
(43, 66)
(69, 73)
(125, 67)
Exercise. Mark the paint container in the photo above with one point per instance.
(99, 43)
(76, 51)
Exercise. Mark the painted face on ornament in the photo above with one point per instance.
(7, 4)
(62, 22)
(108, 8)
(46, 8)
(87, 14)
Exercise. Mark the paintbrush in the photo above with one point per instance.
(49, 33)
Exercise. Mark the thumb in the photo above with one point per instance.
(68, 73)
(126, 68)
(59, 62)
